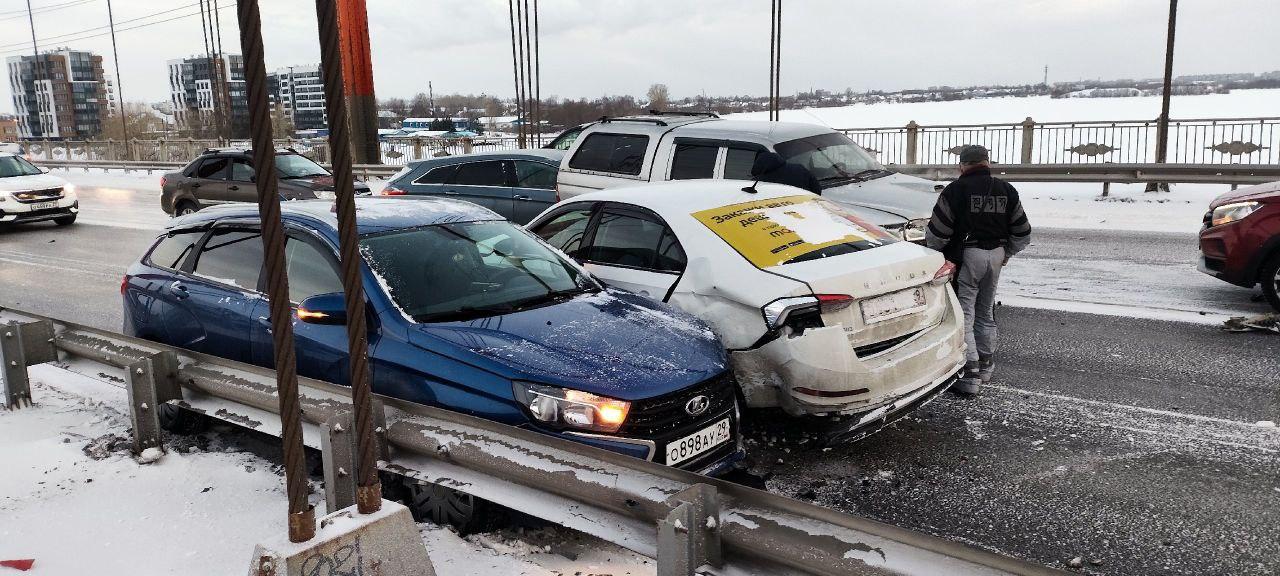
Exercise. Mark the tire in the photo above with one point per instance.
(185, 207)
(1269, 277)
(65, 220)
(179, 420)
(445, 506)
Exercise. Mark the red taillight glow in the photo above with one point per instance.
(124, 285)
(944, 274)
(829, 303)
(162, 181)
(393, 191)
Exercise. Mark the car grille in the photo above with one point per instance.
(666, 417)
(38, 195)
(881, 346)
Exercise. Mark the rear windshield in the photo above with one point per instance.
(791, 229)
(617, 153)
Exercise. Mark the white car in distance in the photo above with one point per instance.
(822, 312)
(31, 194)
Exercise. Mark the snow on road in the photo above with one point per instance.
(73, 499)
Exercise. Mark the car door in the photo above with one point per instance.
(485, 183)
(162, 306)
(321, 349)
(222, 289)
(534, 189)
(633, 249)
(240, 186)
(209, 182)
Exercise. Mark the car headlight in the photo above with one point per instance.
(566, 408)
(326, 195)
(1228, 213)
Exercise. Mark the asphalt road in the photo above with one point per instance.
(1130, 443)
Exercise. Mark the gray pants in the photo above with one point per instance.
(976, 289)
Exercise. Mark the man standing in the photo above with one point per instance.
(978, 224)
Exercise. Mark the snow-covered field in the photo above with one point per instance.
(74, 500)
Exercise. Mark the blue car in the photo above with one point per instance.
(518, 184)
(467, 311)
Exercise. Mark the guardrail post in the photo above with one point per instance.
(164, 150)
(66, 144)
(417, 148)
(16, 386)
(1028, 139)
(143, 400)
(466, 145)
(689, 536)
(913, 142)
(338, 454)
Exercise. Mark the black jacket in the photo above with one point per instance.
(978, 210)
(770, 167)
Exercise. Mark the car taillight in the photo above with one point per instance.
(124, 285)
(393, 191)
(944, 274)
(829, 303)
(162, 181)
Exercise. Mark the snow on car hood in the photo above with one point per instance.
(1268, 190)
(28, 183)
(613, 343)
(903, 196)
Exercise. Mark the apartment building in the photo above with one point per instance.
(59, 94)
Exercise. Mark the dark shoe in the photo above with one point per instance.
(986, 368)
(966, 386)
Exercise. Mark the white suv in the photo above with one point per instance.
(31, 194)
(679, 146)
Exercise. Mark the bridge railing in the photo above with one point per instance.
(1191, 141)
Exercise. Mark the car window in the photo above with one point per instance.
(310, 271)
(480, 174)
(618, 153)
(298, 166)
(831, 158)
(565, 230)
(11, 166)
(738, 162)
(171, 251)
(694, 161)
(535, 175)
(437, 175)
(626, 239)
(566, 139)
(241, 170)
(231, 257)
(213, 169)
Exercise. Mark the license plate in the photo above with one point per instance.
(44, 205)
(893, 305)
(697, 443)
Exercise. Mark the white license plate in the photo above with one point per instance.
(697, 443)
(44, 205)
(893, 305)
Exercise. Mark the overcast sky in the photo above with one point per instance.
(595, 47)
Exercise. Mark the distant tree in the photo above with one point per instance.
(281, 123)
(421, 106)
(441, 124)
(139, 119)
(659, 98)
(396, 105)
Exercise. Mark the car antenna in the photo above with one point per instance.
(752, 188)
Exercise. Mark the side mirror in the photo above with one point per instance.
(323, 309)
(45, 170)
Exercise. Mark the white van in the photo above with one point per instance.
(679, 146)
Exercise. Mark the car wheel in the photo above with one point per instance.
(181, 421)
(441, 505)
(186, 207)
(65, 220)
(1270, 279)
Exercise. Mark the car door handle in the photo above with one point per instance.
(195, 184)
(266, 322)
(233, 187)
(179, 290)
(522, 197)
(450, 191)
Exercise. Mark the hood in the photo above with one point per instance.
(880, 218)
(1270, 190)
(325, 183)
(612, 343)
(907, 197)
(766, 162)
(28, 183)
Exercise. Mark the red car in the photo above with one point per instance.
(1240, 241)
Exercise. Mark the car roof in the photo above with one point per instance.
(689, 196)
(372, 214)
(555, 156)
(763, 130)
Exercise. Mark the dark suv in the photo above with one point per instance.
(219, 176)
(1240, 240)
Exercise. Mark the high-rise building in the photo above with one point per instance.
(299, 90)
(201, 99)
(59, 94)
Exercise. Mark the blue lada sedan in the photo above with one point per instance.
(466, 311)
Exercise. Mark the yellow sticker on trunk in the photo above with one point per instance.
(776, 231)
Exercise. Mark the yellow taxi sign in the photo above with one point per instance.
(774, 231)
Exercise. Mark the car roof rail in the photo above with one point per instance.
(682, 113)
(606, 119)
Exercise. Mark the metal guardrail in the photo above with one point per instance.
(1109, 173)
(689, 523)
(1191, 141)
(364, 170)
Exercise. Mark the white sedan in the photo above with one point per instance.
(30, 194)
(822, 312)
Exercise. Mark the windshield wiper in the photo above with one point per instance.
(871, 173)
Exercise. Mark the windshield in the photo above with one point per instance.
(470, 270)
(832, 158)
(16, 166)
(776, 231)
(298, 166)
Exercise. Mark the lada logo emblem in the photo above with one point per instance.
(697, 405)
